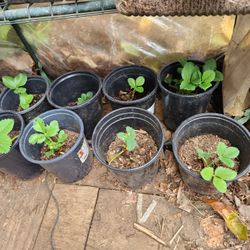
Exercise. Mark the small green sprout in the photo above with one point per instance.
(245, 118)
(6, 126)
(16, 84)
(219, 175)
(136, 85)
(84, 97)
(129, 139)
(193, 78)
(50, 135)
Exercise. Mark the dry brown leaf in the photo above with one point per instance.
(231, 218)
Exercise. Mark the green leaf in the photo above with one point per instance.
(218, 76)
(37, 138)
(231, 152)
(187, 71)
(50, 153)
(8, 82)
(62, 136)
(20, 80)
(207, 173)
(38, 125)
(203, 154)
(89, 94)
(6, 126)
(220, 184)
(140, 81)
(20, 91)
(225, 173)
(5, 143)
(52, 129)
(183, 61)
(227, 161)
(187, 86)
(208, 76)
(139, 89)
(132, 83)
(243, 120)
(221, 147)
(210, 64)
(122, 136)
(25, 100)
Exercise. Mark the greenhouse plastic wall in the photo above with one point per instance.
(104, 42)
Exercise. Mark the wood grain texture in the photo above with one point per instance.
(76, 204)
(23, 204)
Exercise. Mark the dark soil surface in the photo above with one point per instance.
(144, 151)
(36, 98)
(127, 95)
(72, 137)
(207, 142)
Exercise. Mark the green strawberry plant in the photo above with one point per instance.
(136, 85)
(212, 170)
(49, 134)
(192, 77)
(6, 126)
(245, 118)
(16, 84)
(84, 97)
(129, 140)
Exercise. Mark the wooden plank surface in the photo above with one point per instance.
(76, 205)
(23, 204)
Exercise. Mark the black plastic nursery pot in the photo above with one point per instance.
(117, 80)
(178, 107)
(69, 87)
(217, 124)
(13, 162)
(35, 85)
(75, 163)
(117, 121)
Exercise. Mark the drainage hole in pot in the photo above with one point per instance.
(131, 149)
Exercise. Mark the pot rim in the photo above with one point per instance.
(56, 82)
(159, 150)
(7, 90)
(134, 102)
(195, 117)
(52, 113)
(167, 91)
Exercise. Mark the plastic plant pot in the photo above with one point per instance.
(115, 122)
(13, 162)
(217, 124)
(117, 80)
(179, 107)
(35, 85)
(68, 88)
(76, 162)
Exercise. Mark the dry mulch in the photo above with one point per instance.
(143, 153)
(71, 139)
(208, 143)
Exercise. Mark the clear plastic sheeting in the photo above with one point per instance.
(103, 42)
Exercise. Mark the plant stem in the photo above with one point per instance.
(133, 95)
(14, 138)
(116, 156)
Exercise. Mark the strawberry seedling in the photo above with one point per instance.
(136, 85)
(84, 97)
(192, 77)
(6, 126)
(50, 135)
(212, 170)
(16, 84)
(129, 140)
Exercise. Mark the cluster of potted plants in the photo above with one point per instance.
(211, 149)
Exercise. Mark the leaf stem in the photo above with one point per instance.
(116, 156)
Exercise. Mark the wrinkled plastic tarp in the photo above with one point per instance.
(104, 42)
(236, 91)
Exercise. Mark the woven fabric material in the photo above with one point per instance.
(183, 7)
